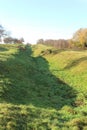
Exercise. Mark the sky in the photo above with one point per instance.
(43, 19)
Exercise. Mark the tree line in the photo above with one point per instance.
(6, 38)
(78, 40)
(60, 43)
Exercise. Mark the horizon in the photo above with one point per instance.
(35, 20)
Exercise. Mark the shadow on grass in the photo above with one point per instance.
(76, 62)
(54, 52)
(28, 80)
(3, 48)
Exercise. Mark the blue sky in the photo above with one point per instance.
(47, 19)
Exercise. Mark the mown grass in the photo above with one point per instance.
(42, 88)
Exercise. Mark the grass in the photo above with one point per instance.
(42, 89)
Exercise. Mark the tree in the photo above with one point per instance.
(80, 37)
(15, 40)
(21, 39)
(11, 40)
(40, 41)
(8, 40)
(2, 32)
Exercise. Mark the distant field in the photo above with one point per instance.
(42, 88)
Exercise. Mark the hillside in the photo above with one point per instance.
(42, 88)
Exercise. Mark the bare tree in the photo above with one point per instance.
(40, 41)
(2, 32)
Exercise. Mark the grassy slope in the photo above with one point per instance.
(42, 92)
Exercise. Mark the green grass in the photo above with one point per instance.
(42, 89)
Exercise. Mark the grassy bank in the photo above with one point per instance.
(42, 88)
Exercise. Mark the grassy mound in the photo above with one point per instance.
(42, 88)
